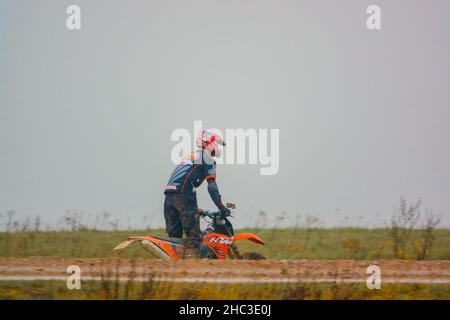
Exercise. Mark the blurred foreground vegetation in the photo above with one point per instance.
(219, 291)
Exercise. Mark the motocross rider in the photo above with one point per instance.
(180, 205)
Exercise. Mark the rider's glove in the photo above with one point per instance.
(225, 211)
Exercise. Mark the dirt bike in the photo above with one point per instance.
(219, 241)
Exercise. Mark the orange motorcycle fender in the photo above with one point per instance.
(167, 248)
(249, 236)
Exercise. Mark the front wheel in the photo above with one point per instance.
(252, 256)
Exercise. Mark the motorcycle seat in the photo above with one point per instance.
(173, 240)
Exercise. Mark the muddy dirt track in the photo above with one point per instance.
(51, 268)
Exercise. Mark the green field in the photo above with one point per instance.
(218, 291)
(315, 243)
(338, 243)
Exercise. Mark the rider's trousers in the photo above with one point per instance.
(180, 213)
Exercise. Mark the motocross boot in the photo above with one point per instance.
(191, 253)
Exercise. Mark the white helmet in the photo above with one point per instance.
(209, 141)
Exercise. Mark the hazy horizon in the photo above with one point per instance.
(86, 116)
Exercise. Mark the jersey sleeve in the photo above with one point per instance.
(213, 190)
(209, 171)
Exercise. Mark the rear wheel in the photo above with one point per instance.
(252, 256)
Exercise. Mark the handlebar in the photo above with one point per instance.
(211, 214)
(217, 214)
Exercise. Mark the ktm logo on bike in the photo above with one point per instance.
(224, 241)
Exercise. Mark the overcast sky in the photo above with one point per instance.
(86, 116)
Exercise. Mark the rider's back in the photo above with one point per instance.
(190, 173)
